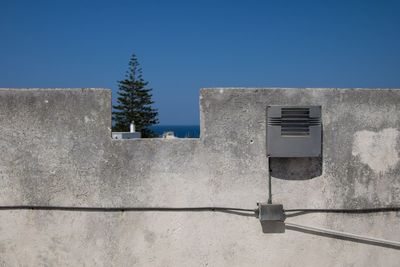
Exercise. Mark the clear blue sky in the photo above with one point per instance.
(186, 45)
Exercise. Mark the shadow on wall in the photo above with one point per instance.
(296, 168)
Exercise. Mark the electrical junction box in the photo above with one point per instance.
(271, 212)
(272, 218)
(294, 131)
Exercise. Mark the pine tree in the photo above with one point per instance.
(134, 102)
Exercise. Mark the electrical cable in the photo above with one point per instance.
(205, 208)
(269, 181)
(123, 209)
(345, 235)
(365, 210)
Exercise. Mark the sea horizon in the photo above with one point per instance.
(181, 131)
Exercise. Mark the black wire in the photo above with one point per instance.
(366, 210)
(123, 209)
(189, 209)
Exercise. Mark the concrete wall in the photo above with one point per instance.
(56, 149)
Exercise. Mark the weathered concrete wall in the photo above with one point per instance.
(56, 149)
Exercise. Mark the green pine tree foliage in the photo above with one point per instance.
(134, 102)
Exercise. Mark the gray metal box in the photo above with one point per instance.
(272, 217)
(294, 131)
(271, 212)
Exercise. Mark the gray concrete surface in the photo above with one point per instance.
(56, 149)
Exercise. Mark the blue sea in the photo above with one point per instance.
(181, 131)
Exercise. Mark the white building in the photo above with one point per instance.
(132, 134)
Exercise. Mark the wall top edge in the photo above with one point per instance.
(55, 89)
(290, 88)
